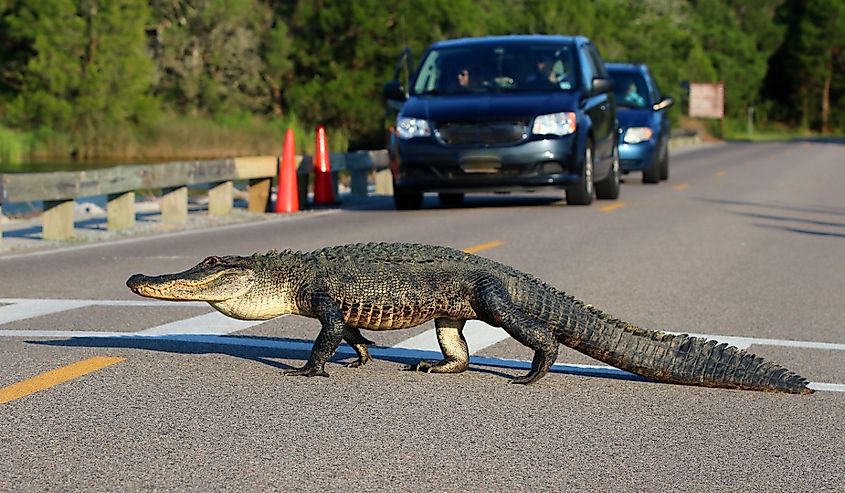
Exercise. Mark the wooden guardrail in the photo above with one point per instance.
(59, 189)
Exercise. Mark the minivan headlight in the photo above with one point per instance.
(635, 135)
(408, 128)
(554, 124)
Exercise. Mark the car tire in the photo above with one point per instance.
(652, 173)
(664, 166)
(582, 192)
(608, 188)
(451, 199)
(406, 201)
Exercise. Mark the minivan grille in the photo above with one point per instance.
(486, 133)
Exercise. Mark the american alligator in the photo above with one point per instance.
(383, 286)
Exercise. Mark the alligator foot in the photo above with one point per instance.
(540, 365)
(306, 371)
(525, 380)
(444, 366)
(423, 366)
(358, 363)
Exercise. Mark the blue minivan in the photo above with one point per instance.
(643, 121)
(505, 113)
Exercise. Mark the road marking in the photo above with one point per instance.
(483, 246)
(210, 323)
(612, 207)
(23, 309)
(720, 173)
(410, 355)
(212, 328)
(478, 334)
(744, 342)
(681, 187)
(55, 377)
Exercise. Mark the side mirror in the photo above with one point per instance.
(393, 91)
(601, 85)
(662, 105)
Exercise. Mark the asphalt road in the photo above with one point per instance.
(744, 240)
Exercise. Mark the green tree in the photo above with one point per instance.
(822, 53)
(89, 69)
(208, 55)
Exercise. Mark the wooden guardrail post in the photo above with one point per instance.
(120, 211)
(220, 197)
(359, 166)
(259, 194)
(174, 205)
(384, 182)
(57, 220)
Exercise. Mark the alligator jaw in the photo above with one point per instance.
(214, 279)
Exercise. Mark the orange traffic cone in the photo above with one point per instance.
(323, 189)
(287, 196)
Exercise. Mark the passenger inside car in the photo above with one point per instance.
(633, 97)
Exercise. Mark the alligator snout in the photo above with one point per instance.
(134, 282)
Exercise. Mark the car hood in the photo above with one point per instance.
(488, 106)
(634, 117)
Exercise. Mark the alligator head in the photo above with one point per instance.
(215, 279)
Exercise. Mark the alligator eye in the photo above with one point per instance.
(212, 261)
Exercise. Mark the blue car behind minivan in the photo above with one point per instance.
(643, 121)
(505, 113)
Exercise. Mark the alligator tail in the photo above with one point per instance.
(670, 358)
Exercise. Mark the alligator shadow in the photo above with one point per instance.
(266, 349)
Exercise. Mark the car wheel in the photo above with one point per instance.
(608, 188)
(405, 201)
(652, 173)
(582, 192)
(664, 166)
(451, 199)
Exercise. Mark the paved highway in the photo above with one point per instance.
(746, 242)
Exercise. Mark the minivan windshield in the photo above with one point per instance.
(480, 68)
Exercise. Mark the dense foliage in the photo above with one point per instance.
(78, 67)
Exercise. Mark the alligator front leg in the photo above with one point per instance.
(453, 345)
(353, 337)
(331, 318)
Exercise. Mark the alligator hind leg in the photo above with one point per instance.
(453, 345)
(494, 306)
(353, 337)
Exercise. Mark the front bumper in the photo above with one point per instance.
(637, 157)
(426, 165)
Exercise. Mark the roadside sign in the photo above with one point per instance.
(706, 100)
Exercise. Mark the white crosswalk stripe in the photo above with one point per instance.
(212, 328)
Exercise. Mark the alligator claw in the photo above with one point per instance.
(306, 371)
(423, 366)
(358, 363)
(526, 379)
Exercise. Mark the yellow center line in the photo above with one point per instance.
(484, 246)
(612, 207)
(681, 187)
(55, 377)
(720, 173)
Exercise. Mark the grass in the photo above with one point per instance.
(13, 146)
(171, 137)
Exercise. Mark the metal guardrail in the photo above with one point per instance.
(58, 190)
